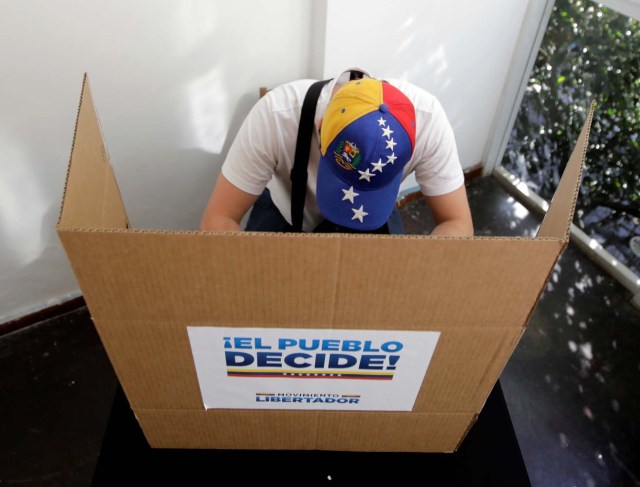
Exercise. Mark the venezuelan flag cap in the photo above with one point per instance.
(366, 139)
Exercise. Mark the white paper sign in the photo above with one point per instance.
(283, 368)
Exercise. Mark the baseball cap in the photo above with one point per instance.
(366, 139)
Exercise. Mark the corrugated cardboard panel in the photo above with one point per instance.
(144, 288)
(92, 198)
(155, 366)
(399, 432)
(305, 280)
(466, 365)
(557, 221)
(195, 278)
(443, 282)
(153, 362)
(298, 430)
(286, 430)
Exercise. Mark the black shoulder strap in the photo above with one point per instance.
(301, 160)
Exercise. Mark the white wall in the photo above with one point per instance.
(458, 50)
(172, 81)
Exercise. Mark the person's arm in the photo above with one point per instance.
(451, 213)
(226, 207)
(248, 167)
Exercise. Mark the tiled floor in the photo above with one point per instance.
(572, 385)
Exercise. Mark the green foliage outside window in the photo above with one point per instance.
(589, 52)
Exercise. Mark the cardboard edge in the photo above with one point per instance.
(559, 216)
(466, 432)
(85, 93)
(85, 81)
(563, 246)
(144, 231)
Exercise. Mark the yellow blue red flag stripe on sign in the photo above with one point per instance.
(310, 374)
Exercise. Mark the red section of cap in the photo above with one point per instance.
(401, 107)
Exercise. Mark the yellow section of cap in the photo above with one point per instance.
(355, 99)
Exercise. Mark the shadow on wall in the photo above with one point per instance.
(172, 89)
(198, 180)
(23, 204)
(411, 35)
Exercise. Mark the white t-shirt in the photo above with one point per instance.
(262, 154)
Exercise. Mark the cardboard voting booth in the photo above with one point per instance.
(301, 341)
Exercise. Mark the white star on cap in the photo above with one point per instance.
(349, 194)
(387, 131)
(377, 166)
(359, 214)
(390, 159)
(391, 144)
(366, 175)
(381, 122)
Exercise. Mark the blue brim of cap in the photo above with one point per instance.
(377, 203)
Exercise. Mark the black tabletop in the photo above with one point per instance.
(489, 456)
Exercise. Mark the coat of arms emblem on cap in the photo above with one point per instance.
(347, 155)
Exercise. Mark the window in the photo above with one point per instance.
(589, 52)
